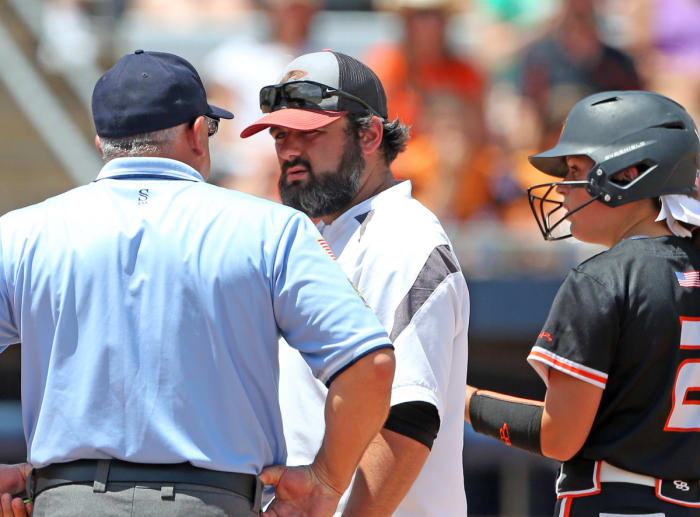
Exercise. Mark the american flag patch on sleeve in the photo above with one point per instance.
(326, 247)
(688, 278)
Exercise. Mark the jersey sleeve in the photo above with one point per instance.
(580, 332)
(9, 333)
(317, 309)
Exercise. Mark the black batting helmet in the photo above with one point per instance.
(618, 130)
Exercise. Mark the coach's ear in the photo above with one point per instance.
(371, 138)
(98, 144)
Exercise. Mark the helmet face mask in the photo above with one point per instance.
(549, 210)
(619, 130)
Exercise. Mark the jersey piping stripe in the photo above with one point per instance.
(565, 509)
(354, 360)
(439, 265)
(595, 489)
(671, 499)
(144, 177)
(595, 377)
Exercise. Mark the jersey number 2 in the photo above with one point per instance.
(685, 410)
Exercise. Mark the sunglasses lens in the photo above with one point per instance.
(267, 98)
(303, 93)
(291, 95)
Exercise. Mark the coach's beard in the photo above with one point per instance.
(328, 192)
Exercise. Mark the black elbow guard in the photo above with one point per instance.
(514, 423)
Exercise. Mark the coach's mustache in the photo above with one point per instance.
(293, 163)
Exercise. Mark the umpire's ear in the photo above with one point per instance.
(371, 138)
(98, 144)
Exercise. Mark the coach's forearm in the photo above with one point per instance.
(356, 408)
(386, 473)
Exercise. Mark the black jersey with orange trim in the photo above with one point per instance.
(628, 321)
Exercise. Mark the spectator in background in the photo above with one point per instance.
(439, 95)
(188, 12)
(235, 72)
(70, 31)
(568, 62)
(422, 63)
(664, 35)
(450, 166)
(573, 54)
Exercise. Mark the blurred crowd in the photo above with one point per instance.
(483, 83)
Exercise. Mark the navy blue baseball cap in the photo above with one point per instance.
(148, 91)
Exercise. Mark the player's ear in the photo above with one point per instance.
(627, 175)
(631, 173)
(371, 137)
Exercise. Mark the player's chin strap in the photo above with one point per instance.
(515, 423)
(677, 208)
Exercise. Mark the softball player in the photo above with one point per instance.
(620, 350)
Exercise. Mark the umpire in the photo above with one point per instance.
(149, 306)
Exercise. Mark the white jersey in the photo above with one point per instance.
(397, 254)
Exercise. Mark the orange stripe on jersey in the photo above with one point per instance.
(569, 368)
(566, 507)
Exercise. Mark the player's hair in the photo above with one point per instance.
(394, 138)
(154, 143)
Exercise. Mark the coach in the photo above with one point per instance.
(149, 306)
(328, 119)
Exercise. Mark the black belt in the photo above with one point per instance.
(85, 471)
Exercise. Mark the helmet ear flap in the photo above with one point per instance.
(618, 188)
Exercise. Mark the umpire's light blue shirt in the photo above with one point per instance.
(149, 306)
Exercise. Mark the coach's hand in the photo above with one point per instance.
(299, 492)
(12, 481)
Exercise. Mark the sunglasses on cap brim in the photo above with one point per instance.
(304, 95)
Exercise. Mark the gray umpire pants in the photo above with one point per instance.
(141, 500)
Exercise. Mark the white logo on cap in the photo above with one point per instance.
(624, 150)
(294, 75)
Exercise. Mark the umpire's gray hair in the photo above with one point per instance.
(155, 143)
